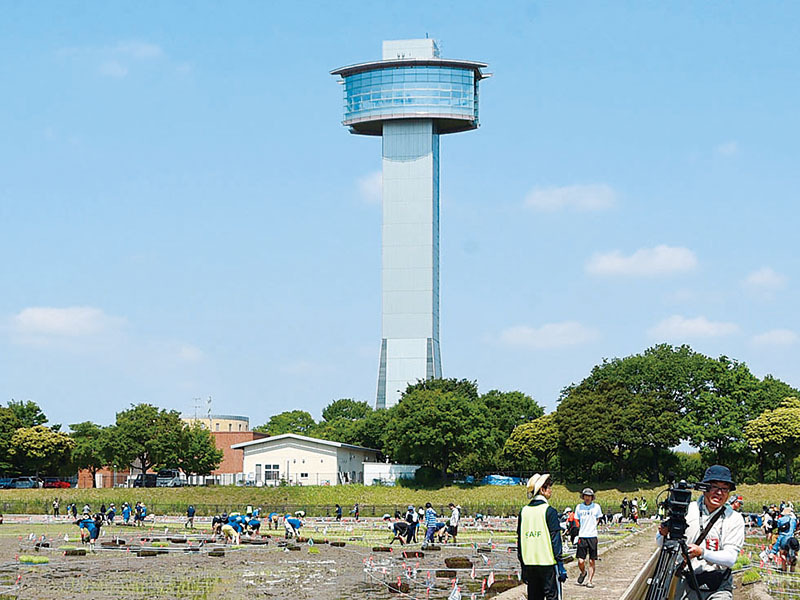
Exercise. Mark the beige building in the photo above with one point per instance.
(221, 423)
(302, 460)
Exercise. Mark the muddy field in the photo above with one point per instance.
(178, 563)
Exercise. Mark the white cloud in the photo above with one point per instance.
(139, 50)
(776, 337)
(661, 260)
(765, 279)
(114, 61)
(190, 353)
(112, 68)
(679, 328)
(75, 321)
(727, 149)
(549, 335)
(581, 198)
(370, 187)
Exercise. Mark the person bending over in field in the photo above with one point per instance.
(292, 526)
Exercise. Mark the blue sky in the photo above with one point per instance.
(182, 214)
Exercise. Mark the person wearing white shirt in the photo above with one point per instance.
(714, 556)
(587, 514)
(452, 524)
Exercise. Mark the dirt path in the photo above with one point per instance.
(616, 568)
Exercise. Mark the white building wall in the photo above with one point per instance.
(295, 458)
(305, 463)
(387, 473)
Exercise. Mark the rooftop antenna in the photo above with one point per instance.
(197, 401)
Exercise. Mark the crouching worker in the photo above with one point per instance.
(715, 535)
(292, 526)
(230, 534)
(400, 529)
(90, 529)
(539, 542)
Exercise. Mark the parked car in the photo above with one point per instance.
(169, 478)
(55, 482)
(145, 480)
(6, 482)
(24, 483)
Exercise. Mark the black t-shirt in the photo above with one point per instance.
(400, 528)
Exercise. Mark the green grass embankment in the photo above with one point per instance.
(377, 500)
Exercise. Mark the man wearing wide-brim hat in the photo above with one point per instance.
(539, 542)
(712, 556)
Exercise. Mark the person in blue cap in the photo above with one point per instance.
(713, 556)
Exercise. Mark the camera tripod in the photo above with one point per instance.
(669, 563)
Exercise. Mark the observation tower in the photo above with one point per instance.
(410, 98)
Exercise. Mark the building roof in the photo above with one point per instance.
(412, 62)
(220, 417)
(295, 436)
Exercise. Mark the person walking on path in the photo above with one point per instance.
(55, 507)
(588, 512)
(338, 513)
(539, 547)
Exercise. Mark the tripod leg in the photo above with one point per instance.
(689, 571)
(660, 582)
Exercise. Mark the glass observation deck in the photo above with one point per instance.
(443, 90)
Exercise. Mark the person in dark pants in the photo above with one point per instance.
(338, 513)
(539, 542)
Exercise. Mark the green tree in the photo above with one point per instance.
(145, 437)
(28, 412)
(609, 422)
(778, 431)
(370, 432)
(93, 448)
(39, 449)
(707, 401)
(290, 421)
(435, 428)
(346, 408)
(461, 387)
(9, 423)
(714, 418)
(506, 410)
(197, 453)
(532, 445)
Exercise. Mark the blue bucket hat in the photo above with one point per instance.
(719, 473)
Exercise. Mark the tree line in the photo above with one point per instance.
(142, 437)
(622, 422)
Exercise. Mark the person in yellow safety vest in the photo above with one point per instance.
(539, 542)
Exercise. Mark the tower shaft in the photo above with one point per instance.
(410, 257)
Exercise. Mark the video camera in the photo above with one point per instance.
(677, 505)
